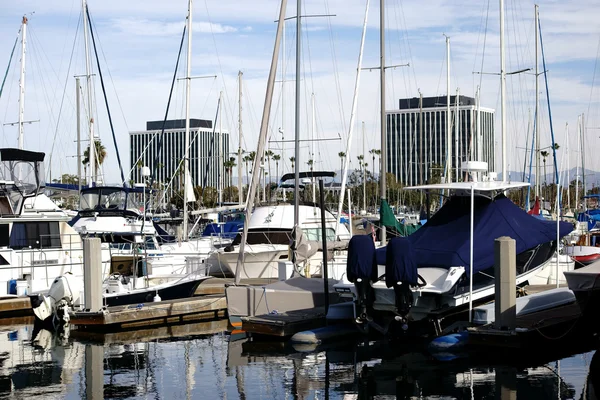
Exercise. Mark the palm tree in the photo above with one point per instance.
(341, 154)
(268, 155)
(276, 158)
(99, 155)
(545, 154)
(373, 153)
(292, 160)
(229, 168)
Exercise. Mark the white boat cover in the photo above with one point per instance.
(583, 279)
(528, 304)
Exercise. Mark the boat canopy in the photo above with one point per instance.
(444, 241)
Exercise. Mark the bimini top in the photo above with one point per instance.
(444, 241)
(9, 154)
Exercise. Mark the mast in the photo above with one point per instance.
(88, 73)
(220, 160)
(383, 156)
(312, 145)
(577, 163)
(502, 93)
(282, 130)
(457, 134)
(568, 172)
(239, 160)
(297, 128)
(261, 139)
(77, 90)
(186, 157)
(478, 127)
(536, 136)
(22, 81)
(421, 164)
(583, 158)
(448, 122)
(364, 170)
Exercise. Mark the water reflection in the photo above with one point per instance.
(203, 361)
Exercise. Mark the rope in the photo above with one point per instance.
(9, 61)
(112, 129)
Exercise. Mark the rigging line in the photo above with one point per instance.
(62, 100)
(217, 54)
(212, 145)
(335, 68)
(410, 57)
(162, 133)
(407, 87)
(478, 39)
(9, 61)
(487, 15)
(112, 129)
(594, 77)
(113, 84)
(548, 100)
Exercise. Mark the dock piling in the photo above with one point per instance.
(92, 274)
(505, 293)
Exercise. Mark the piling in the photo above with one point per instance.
(506, 281)
(94, 370)
(92, 274)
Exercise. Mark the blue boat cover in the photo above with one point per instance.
(444, 240)
(361, 258)
(589, 216)
(230, 229)
(401, 263)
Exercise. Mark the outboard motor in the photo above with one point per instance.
(401, 274)
(63, 295)
(361, 269)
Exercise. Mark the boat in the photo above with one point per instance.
(448, 264)
(36, 242)
(269, 237)
(585, 283)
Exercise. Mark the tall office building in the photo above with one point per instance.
(204, 154)
(414, 152)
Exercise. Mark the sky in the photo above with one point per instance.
(138, 43)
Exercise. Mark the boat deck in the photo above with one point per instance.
(285, 324)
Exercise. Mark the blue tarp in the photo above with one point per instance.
(444, 240)
(230, 229)
(400, 265)
(361, 258)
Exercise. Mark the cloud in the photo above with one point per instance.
(146, 27)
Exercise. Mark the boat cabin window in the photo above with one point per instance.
(269, 237)
(104, 199)
(37, 235)
(4, 236)
(316, 234)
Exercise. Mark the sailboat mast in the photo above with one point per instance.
(536, 131)
(77, 97)
(239, 160)
(583, 158)
(22, 81)
(568, 171)
(577, 163)
(364, 173)
(186, 157)
(503, 93)
(448, 120)
(312, 150)
(88, 73)
(383, 157)
(297, 127)
(220, 160)
(457, 133)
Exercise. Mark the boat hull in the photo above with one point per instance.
(180, 290)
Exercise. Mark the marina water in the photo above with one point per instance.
(205, 361)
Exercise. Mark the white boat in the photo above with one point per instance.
(269, 237)
(36, 242)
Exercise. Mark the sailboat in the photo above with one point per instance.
(447, 265)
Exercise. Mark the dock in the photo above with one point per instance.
(285, 324)
(217, 285)
(15, 306)
(171, 332)
(169, 312)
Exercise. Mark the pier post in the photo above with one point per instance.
(505, 287)
(506, 383)
(92, 274)
(94, 371)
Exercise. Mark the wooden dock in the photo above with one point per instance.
(168, 312)
(171, 332)
(285, 324)
(15, 306)
(217, 285)
(531, 329)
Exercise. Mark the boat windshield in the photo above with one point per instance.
(21, 176)
(104, 199)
